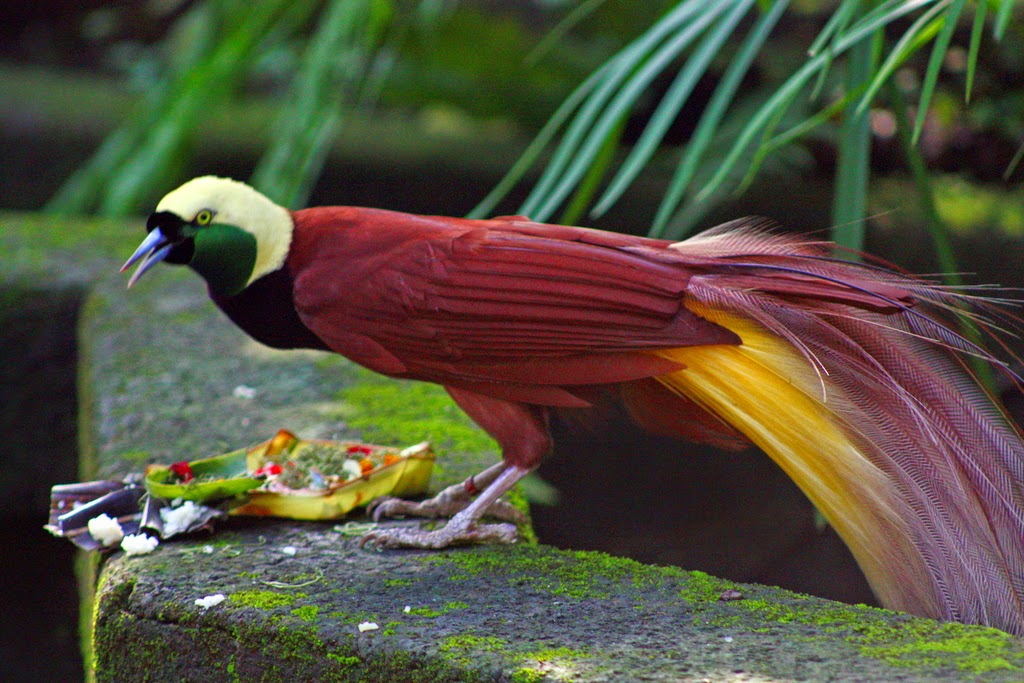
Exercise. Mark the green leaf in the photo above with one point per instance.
(578, 14)
(972, 53)
(536, 147)
(849, 204)
(776, 104)
(588, 187)
(1003, 18)
(935, 63)
(881, 16)
(82, 191)
(763, 150)
(920, 32)
(332, 68)
(834, 28)
(588, 99)
(839, 20)
(712, 116)
(810, 123)
(1014, 162)
(599, 114)
(141, 175)
(668, 109)
(885, 13)
(216, 478)
(573, 137)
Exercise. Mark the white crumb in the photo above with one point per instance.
(290, 550)
(368, 626)
(210, 600)
(139, 544)
(105, 529)
(242, 391)
(178, 519)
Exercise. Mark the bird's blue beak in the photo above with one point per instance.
(153, 250)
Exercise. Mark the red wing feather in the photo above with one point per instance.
(492, 300)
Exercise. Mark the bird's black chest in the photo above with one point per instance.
(265, 310)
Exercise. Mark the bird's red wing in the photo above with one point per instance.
(501, 301)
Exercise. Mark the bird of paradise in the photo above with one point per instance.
(851, 377)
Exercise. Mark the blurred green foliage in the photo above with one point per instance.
(841, 90)
(322, 59)
(710, 95)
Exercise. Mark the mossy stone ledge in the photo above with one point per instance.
(158, 368)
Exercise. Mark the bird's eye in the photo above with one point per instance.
(204, 217)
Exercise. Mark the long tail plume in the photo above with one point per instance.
(853, 379)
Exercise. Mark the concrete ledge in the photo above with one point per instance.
(158, 367)
(504, 614)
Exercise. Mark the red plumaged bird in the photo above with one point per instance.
(849, 376)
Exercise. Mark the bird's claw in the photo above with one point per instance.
(447, 503)
(389, 506)
(451, 534)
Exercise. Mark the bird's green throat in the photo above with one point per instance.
(225, 256)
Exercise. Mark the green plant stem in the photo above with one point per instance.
(925, 192)
(849, 205)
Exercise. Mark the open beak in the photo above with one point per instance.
(153, 250)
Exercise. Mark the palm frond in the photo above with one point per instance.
(711, 119)
(972, 53)
(582, 127)
(631, 73)
(939, 50)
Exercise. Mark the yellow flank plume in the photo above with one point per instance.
(771, 393)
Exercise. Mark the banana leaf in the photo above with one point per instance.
(296, 478)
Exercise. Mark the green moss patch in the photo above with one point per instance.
(922, 643)
(703, 588)
(577, 574)
(306, 612)
(403, 413)
(261, 599)
(898, 640)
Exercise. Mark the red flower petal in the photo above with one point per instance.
(183, 471)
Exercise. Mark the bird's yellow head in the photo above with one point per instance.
(226, 231)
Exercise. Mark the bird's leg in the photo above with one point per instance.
(450, 501)
(522, 432)
(464, 527)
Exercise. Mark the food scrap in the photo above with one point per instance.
(180, 518)
(105, 529)
(210, 601)
(284, 477)
(139, 544)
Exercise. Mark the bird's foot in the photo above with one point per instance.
(465, 526)
(447, 503)
(456, 532)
